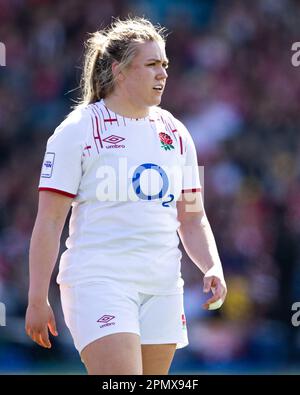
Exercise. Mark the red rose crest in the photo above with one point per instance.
(166, 141)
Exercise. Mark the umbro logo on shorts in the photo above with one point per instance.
(114, 141)
(105, 320)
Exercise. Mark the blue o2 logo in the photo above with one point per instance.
(171, 198)
(136, 182)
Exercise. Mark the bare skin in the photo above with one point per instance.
(199, 243)
(116, 354)
(157, 358)
(53, 209)
(122, 354)
(135, 91)
(52, 212)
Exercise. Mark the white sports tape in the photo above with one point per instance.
(215, 305)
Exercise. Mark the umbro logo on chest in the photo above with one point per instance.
(114, 141)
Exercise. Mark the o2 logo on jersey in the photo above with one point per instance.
(147, 181)
(136, 182)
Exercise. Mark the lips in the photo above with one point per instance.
(158, 87)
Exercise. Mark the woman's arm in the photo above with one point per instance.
(44, 247)
(198, 240)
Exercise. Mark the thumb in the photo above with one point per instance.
(207, 284)
(52, 326)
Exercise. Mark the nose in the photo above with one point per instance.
(162, 74)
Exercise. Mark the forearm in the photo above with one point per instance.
(44, 248)
(199, 243)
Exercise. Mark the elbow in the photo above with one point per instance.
(192, 220)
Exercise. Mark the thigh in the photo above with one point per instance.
(157, 358)
(94, 311)
(117, 354)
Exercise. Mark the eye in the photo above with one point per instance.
(153, 64)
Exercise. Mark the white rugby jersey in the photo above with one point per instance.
(125, 176)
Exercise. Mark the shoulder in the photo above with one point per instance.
(76, 123)
(173, 121)
(78, 116)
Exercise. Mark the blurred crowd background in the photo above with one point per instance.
(232, 82)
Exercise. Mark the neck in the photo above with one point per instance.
(124, 107)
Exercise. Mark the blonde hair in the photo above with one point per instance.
(116, 43)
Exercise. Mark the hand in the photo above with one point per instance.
(219, 290)
(40, 317)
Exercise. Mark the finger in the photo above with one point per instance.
(207, 283)
(217, 295)
(213, 299)
(52, 326)
(205, 306)
(36, 339)
(28, 332)
(44, 339)
(218, 291)
(212, 304)
(216, 300)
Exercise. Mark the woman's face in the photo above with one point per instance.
(145, 78)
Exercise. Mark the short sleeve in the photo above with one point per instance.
(62, 169)
(190, 171)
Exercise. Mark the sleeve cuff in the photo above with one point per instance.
(191, 190)
(71, 195)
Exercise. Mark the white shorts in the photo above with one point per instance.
(95, 310)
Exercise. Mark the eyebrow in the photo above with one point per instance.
(158, 60)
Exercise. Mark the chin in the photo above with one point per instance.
(156, 101)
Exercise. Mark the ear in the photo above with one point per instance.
(118, 74)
